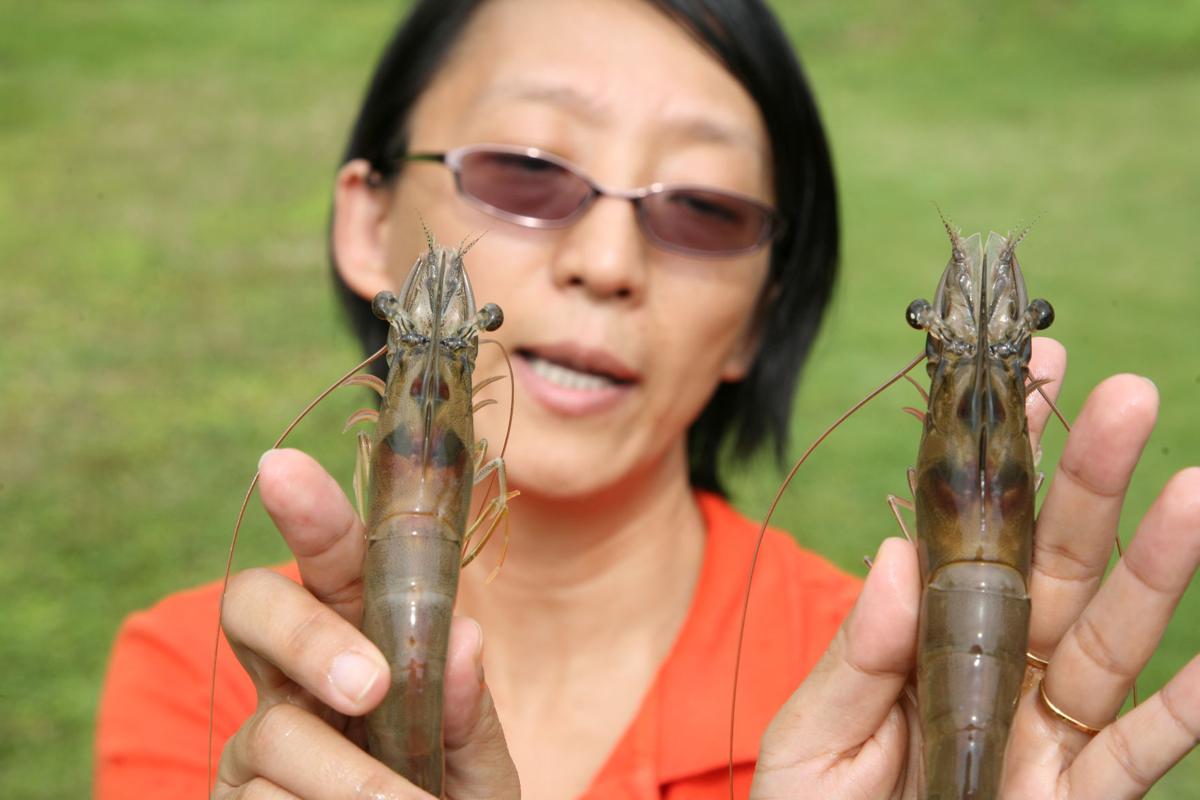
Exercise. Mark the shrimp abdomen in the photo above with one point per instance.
(410, 579)
(974, 625)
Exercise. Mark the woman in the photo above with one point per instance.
(639, 337)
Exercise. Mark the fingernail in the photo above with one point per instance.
(263, 458)
(353, 675)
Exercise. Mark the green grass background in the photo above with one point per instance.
(164, 182)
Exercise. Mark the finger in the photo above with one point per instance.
(1049, 361)
(319, 525)
(1097, 661)
(1077, 525)
(298, 752)
(1127, 757)
(281, 633)
(478, 764)
(851, 695)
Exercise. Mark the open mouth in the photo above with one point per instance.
(568, 378)
(576, 368)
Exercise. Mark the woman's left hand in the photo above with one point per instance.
(846, 732)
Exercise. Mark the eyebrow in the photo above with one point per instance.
(702, 128)
(555, 94)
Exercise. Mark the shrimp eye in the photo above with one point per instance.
(490, 317)
(916, 314)
(1043, 314)
(384, 305)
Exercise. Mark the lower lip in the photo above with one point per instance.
(568, 402)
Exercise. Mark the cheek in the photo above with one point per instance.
(698, 341)
(710, 317)
(509, 269)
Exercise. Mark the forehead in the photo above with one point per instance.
(608, 64)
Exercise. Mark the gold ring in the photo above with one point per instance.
(1082, 727)
(1036, 662)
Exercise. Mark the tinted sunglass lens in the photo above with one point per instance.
(521, 185)
(702, 221)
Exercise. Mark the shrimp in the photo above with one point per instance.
(974, 488)
(418, 469)
(422, 465)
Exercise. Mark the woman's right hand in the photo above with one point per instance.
(316, 674)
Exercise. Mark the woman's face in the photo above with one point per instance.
(616, 344)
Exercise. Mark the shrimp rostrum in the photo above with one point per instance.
(422, 462)
(973, 488)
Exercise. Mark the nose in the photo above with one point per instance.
(603, 252)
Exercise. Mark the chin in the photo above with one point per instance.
(559, 482)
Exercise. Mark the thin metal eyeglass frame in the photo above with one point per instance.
(452, 160)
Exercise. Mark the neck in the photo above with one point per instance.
(586, 575)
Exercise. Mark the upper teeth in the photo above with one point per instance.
(567, 377)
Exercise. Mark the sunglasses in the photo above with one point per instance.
(534, 189)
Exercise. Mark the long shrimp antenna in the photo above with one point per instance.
(1116, 537)
(237, 526)
(1054, 407)
(762, 531)
(512, 397)
(1038, 384)
(512, 392)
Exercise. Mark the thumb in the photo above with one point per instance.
(478, 764)
(843, 727)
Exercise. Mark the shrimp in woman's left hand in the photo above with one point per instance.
(420, 464)
(423, 463)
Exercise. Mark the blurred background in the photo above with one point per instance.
(165, 173)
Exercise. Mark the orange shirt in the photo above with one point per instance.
(153, 719)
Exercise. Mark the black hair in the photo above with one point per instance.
(747, 39)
